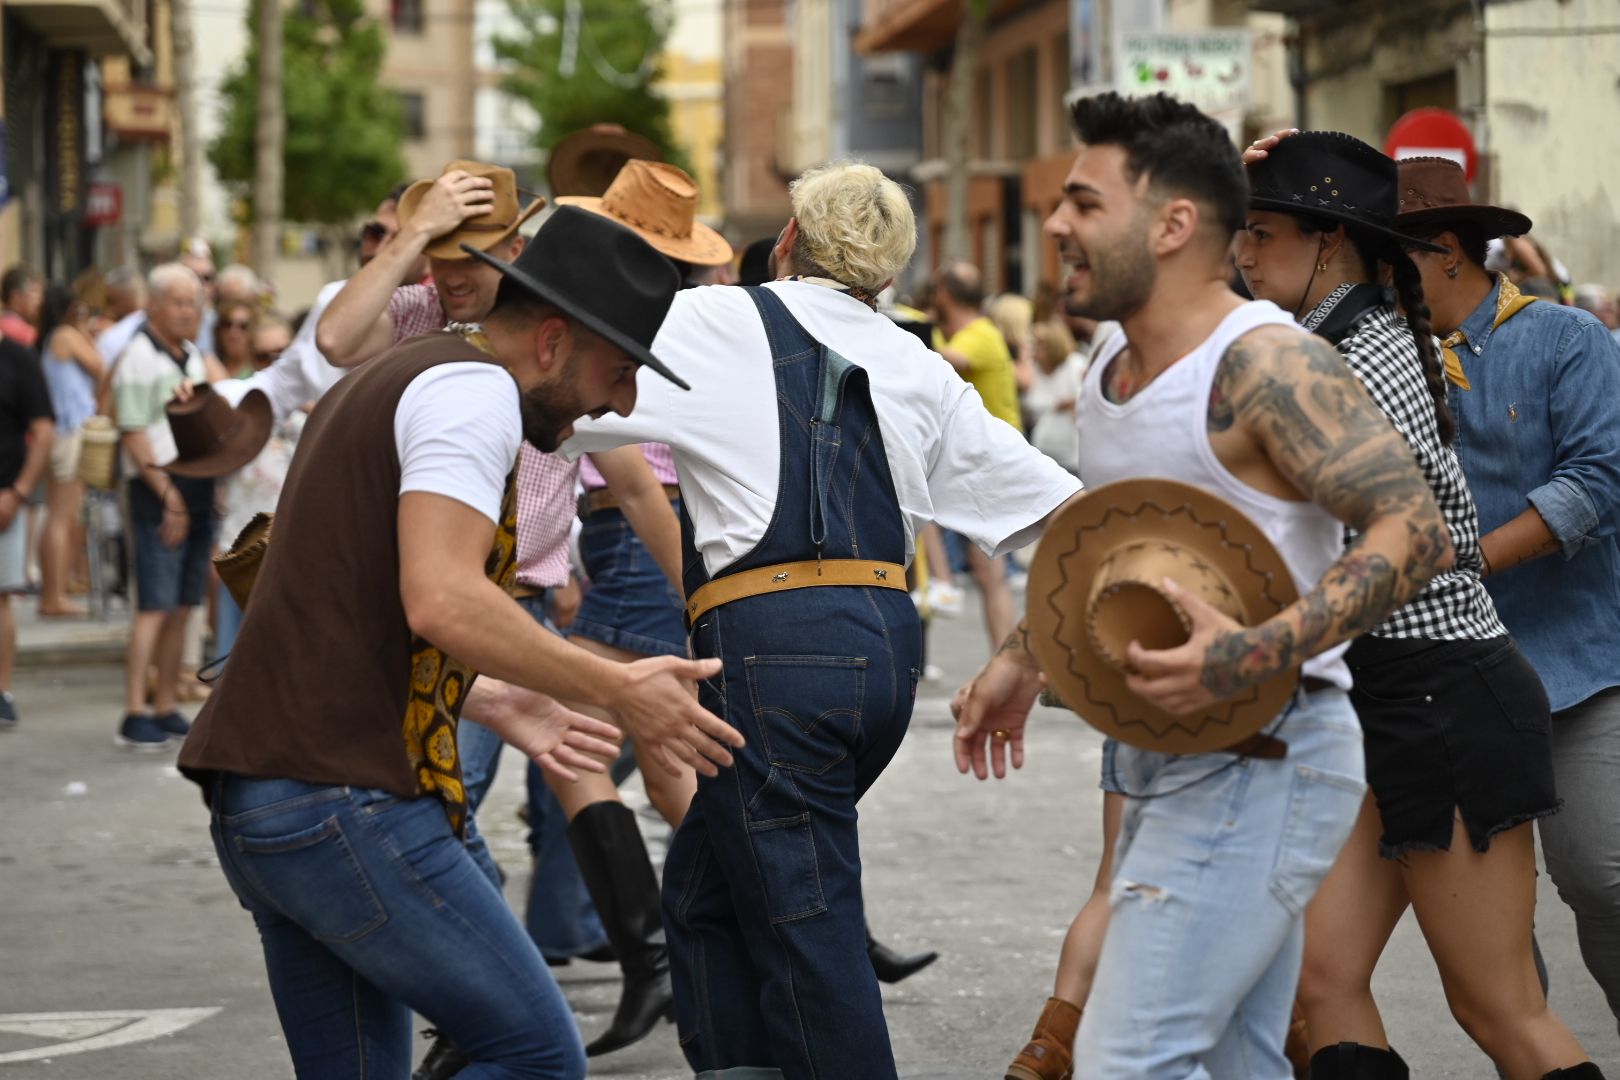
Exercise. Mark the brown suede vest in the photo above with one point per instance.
(326, 683)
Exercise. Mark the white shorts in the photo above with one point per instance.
(64, 468)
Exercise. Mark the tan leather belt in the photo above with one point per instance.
(604, 499)
(794, 575)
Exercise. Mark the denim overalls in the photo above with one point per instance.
(762, 885)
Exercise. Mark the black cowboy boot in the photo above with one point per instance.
(1586, 1070)
(443, 1059)
(1352, 1061)
(613, 861)
(890, 966)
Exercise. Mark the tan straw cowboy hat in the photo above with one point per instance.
(659, 202)
(585, 162)
(485, 231)
(1096, 585)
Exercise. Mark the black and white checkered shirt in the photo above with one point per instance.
(1380, 350)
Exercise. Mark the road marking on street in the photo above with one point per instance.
(78, 1032)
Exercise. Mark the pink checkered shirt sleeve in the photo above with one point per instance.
(658, 455)
(545, 514)
(415, 310)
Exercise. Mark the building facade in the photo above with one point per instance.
(1537, 82)
(56, 212)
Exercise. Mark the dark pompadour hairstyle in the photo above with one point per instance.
(1179, 149)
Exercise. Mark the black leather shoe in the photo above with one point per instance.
(1352, 1061)
(890, 966)
(443, 1060)
(619, 876)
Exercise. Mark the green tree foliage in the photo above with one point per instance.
(613, 49)
(344, 129)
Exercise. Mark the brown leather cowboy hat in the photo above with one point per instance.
(659, 202)
(483, 232)
(585, 162)
(1096, 585)
(1434, 191)
(214, 439)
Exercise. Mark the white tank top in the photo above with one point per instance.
(1162, 433)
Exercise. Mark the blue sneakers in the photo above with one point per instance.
(174, 725)
(141, 732)
(8, 711)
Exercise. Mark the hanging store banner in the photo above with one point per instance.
(1207, 68)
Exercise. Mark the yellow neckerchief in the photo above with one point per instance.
(1509, 302)
(439, 683)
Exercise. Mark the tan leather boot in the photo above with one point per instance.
(1050, 1052)
(1297, 1049)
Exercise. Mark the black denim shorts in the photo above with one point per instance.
(1452, 727)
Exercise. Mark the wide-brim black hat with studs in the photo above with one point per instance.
(1328, 174)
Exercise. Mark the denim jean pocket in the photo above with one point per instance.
(313, 878)
(808, 708)
(784, 844)
(1322, 808)
(1516, 688)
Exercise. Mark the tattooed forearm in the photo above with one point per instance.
(1236, 661)
(1297, 399)
(1018, 640)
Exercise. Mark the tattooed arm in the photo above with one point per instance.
(1301, 408)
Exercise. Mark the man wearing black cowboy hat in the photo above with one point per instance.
(1534, 386)
(329, 756)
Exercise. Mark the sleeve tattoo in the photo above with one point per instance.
(1295, 396)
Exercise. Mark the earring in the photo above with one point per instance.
(1321, 268)
(1451, 271)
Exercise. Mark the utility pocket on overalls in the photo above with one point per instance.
(785, 849)
(807, 708)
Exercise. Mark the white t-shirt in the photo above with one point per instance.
(457, 429)
(952, 462)
(301, 374)
(116, 338)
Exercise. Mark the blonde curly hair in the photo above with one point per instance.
(855, 224)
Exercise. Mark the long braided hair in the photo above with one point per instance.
(1409, 294)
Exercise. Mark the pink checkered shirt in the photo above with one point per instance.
(415, 310)
(659, 456)
(545, 514)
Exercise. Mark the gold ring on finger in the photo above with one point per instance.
(1000, 735)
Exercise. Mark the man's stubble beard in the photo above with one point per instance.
(1123, 276)
(551, 406)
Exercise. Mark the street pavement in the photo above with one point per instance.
(127, 956)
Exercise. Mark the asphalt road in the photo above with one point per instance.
(116, 926)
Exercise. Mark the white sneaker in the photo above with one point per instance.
(945, 599)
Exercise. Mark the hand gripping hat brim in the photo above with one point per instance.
(600, 273)
(1095, 586)
(212, 438)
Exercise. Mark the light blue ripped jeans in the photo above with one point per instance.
(1217, 858)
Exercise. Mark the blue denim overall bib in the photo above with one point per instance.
(762, 885)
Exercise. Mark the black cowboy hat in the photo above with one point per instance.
(1328, 174)
(600, 273)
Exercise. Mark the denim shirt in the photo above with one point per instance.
(1541, 427)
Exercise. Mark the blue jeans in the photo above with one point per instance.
(1217, 858)
(762, 885)
(227, 622)
(560, 917)
(369, 907)
(630, 605)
